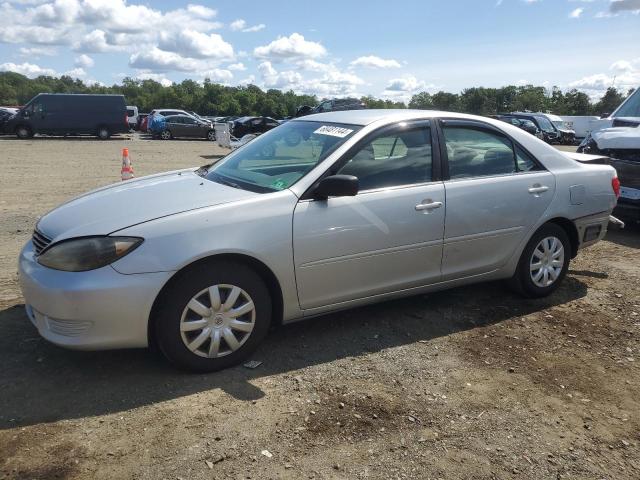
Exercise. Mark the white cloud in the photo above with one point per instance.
(161, 79)
(625, 75)
(84, 61)
(617, 6)
(190, 43)
(576, 13)
(37, 51)
(118, 16)
(217, 75)
(161, 61)
(201, 11)
(237, 67)
(241, 25)
(408, 83)
(293, 46)
(255, 28)
(28, 69)
(372, 61)
(237, 25)
(76, 72)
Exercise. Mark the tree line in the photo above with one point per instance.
(209, 98)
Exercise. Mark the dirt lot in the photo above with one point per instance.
(469, 383)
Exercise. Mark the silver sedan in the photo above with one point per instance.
(323, 213)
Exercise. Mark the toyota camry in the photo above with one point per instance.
(323, 213)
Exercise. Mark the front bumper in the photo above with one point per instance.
(98, 309)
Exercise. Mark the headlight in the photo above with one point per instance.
(88, 253)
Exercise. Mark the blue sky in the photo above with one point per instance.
(330, 48)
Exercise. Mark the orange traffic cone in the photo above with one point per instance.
(127, 169)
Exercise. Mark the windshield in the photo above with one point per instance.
(545, 124)
(559, 124)
(630, 108)
(279, 158)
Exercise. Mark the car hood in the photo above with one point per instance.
(106, 210)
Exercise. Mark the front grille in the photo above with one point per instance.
(40, 241)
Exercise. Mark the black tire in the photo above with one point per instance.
(103, 133)
(23, 132)
(183, 288)
(211, 135)
(166, 135)
(522, 280)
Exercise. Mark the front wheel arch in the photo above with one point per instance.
(265, 273)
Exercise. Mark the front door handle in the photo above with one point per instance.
(428, 205)
(537, 188)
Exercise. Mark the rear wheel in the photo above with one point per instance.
(103, 133)
(23, 132)
(543, 263)
(213, 317)
(166, 135)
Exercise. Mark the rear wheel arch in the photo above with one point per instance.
(263, 271)
(572, 232)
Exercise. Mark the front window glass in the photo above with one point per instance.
(279, 158)
(559, 124)
(393, 159)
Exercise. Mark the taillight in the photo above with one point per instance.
(615, 184)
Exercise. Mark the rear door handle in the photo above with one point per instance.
(428, 205)
(537, 188)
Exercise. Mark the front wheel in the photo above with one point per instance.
(543, 263)
(211, 135)
(213, 316)
(23, 132)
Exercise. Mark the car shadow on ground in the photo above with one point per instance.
(44, 383)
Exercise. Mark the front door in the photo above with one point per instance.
(386, 238)
(496, 192)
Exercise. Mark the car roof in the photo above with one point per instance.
(366, 117)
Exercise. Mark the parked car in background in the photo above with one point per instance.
(198, 117)
(5, 114)
(348, 208)
(71, 114)
(141, 119)
(526, 125)
(567, 135)
(620, 148)
(549, 131)
(132, 115)
(244, 125)
(334, 105)
(186, 126)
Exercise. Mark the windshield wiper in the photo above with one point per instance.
(227, 182)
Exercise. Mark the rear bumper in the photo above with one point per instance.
(591, 229)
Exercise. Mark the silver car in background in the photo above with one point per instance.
(323, 213)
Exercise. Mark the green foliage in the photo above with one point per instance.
(214, 99)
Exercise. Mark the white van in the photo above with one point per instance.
(132, 116)
(581, 124)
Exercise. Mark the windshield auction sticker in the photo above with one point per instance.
(333, 131)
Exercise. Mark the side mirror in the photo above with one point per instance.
(337, 186)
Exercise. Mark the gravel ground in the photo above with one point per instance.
(469, 383)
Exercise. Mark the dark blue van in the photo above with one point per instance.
(70, 114)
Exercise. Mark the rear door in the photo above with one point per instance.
(496, 192)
